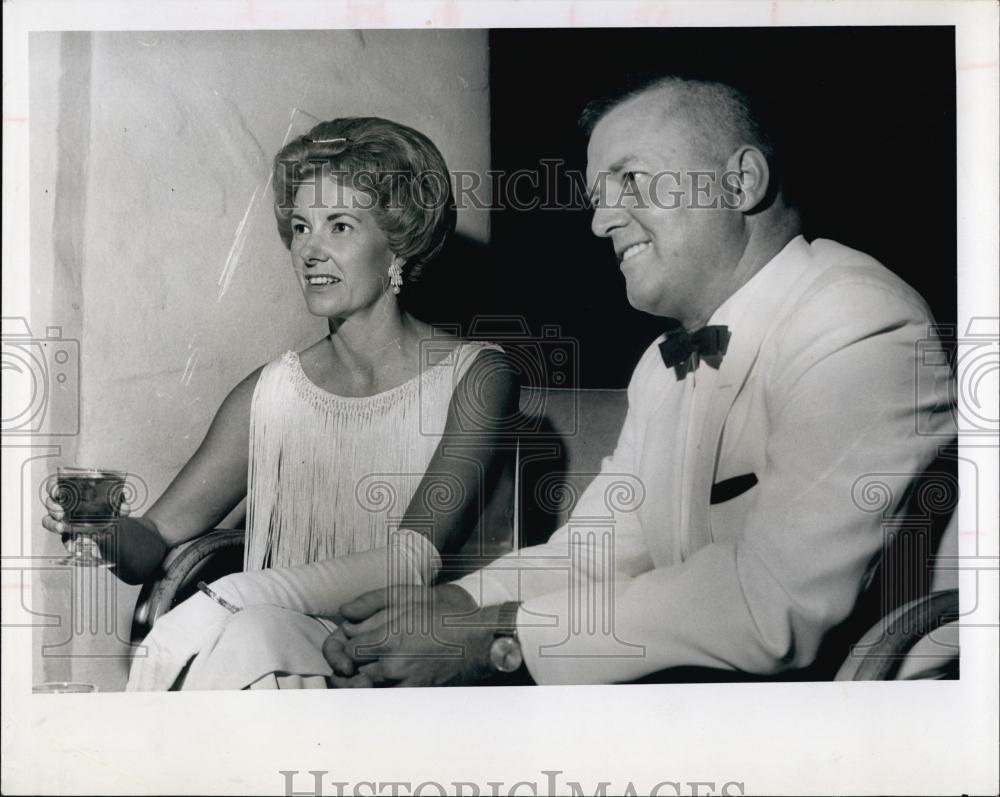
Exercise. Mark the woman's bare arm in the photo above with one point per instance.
(467, 461)
(214, 480)
(208, 487)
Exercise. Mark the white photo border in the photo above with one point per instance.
(793, 738)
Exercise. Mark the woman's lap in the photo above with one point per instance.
(264, 642)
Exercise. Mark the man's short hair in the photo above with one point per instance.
(727, 116)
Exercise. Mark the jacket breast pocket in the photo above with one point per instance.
(731, 502)
(728, 489)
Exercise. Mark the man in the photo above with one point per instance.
(748, 440)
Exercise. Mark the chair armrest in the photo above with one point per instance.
(211, 556)
(878, 655)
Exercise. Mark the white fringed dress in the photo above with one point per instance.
(332, 475)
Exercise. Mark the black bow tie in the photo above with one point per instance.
(682, 350)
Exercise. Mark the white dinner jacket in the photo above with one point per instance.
(821, 398)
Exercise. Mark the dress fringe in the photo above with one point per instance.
(332, 475)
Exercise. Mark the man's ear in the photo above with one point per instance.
(747, 179)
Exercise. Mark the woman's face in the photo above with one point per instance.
(339, 253)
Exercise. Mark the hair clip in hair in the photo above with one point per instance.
(343, 142)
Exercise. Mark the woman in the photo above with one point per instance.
(331, 445)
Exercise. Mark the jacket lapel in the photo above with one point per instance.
(775, 286)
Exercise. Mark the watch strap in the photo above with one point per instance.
(507, 619)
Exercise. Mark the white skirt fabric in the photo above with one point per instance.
(264, 647)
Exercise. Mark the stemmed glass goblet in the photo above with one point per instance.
(91, 499)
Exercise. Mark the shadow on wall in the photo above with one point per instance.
(459, 292)
(453, 289)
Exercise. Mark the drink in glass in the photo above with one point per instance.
(91, 499)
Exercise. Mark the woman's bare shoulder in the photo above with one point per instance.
(489, 372)
(240, 397)
(315, 360)
(312, 352)
(439, 344)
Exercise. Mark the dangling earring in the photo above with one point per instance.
(395, 276)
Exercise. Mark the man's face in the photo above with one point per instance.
(656, 193)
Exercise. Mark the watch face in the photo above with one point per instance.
(505, 654)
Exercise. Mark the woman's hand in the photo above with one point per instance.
(133, 546)
(55, 521)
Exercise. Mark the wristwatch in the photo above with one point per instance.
(505, 650)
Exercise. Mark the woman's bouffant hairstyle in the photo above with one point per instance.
(400, 169)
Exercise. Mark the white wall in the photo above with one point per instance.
(153, 234)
